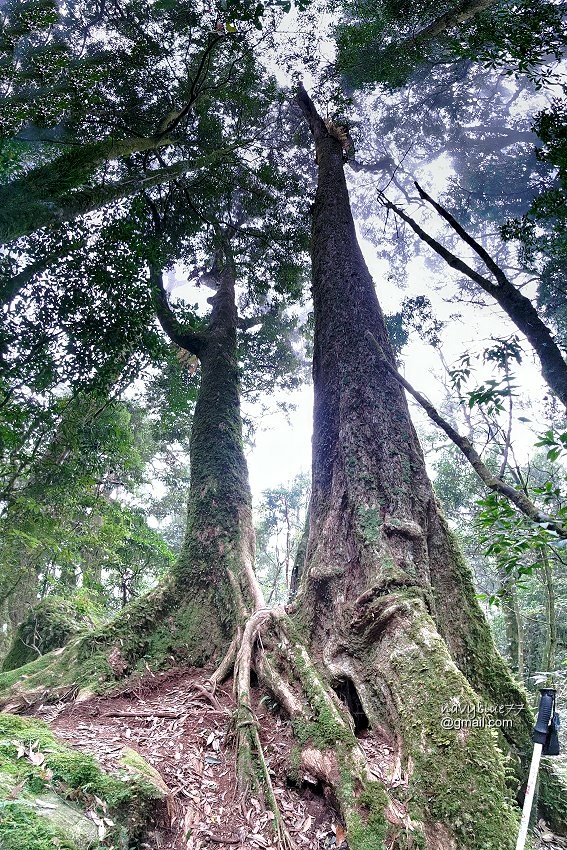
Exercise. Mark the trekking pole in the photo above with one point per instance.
(541, 734)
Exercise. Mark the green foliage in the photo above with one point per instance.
(493, 393)
(390, 43)
(510, 537)
(556, 445)
(62, 521)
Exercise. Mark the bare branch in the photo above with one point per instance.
(450, 258)
(465, 236)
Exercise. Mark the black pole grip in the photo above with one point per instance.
(544, 713)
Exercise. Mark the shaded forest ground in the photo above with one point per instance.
(187, 735)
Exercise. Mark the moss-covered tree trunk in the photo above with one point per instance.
(388, 601)
(200, 609)
(215, 571)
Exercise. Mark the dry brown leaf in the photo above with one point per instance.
(191, 817)
(36, 758)
(15, 792)
(340, 834)
(306, 826)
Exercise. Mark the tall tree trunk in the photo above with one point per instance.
(383, 582)
(215, 568)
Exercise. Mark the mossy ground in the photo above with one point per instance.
(71, 776)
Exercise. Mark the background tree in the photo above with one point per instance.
(282, 513)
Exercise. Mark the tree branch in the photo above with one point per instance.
(450, 258)
(168, 126)
(490, 264)
(316, 123)
(517, 307)
(178, 333)
(519, 499)
(463, 12)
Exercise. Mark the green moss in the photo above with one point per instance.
(22, 829)
(9, 678)
(474, 650)
(369, 523)
(368, 832)
(323, 731)
(552, 796)
(364, 805)
(459, 774)
(67, 772)
(49, 625)
(294, 772)
(145, 773)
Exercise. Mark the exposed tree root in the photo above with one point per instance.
(329, 751)
(396, 663)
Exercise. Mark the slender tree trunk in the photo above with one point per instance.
(383, 583)
(513, 625)
(550, 647)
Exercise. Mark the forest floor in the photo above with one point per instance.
(186, 734)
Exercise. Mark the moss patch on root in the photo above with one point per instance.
(368, 832)
(459, 776)
(22, 829)
(49, 625)
(159, 628)
(70, 775)
(362, 802)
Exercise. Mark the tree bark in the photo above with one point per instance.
(216, 563)
(383, 582)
